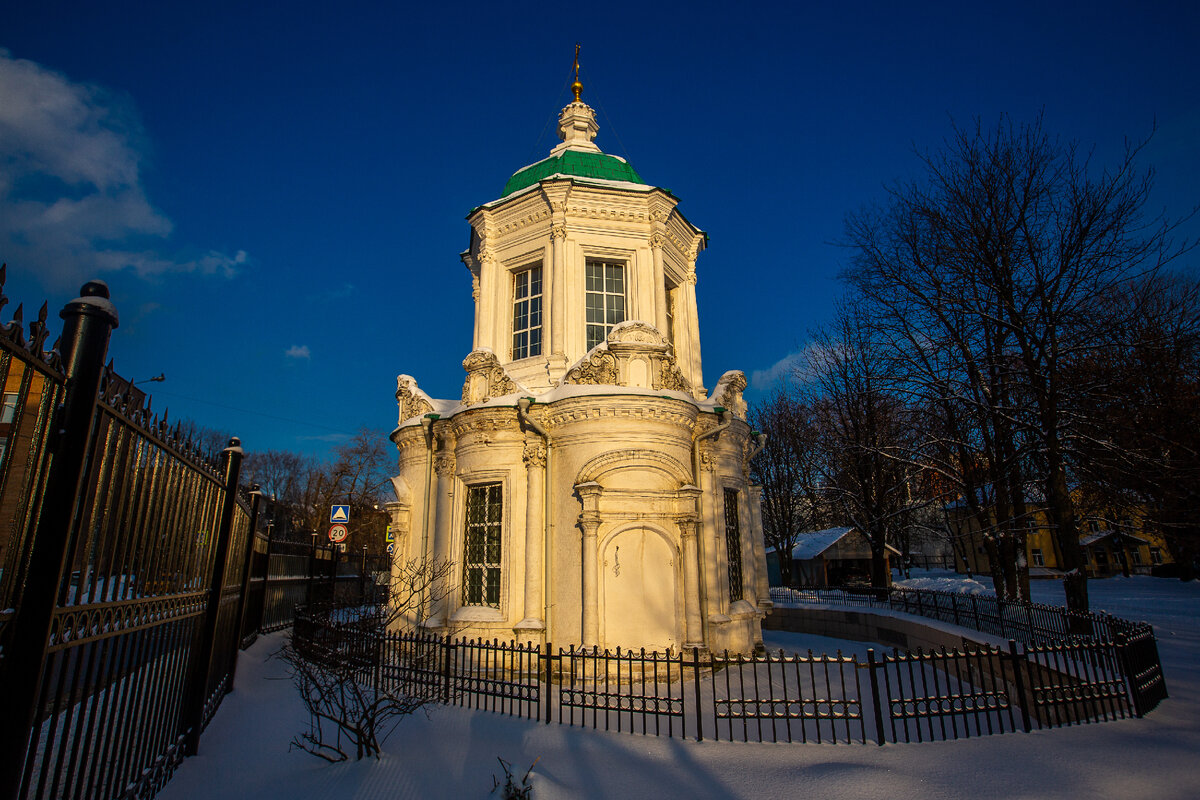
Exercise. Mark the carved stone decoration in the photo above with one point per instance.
(443, 463)
(412, 401)
(558, 230)
(535, 453)
(636, 332)
(486, 378)
(671, 378)
(729, 393)
(599, 369)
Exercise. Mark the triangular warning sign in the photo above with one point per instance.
(340, 514)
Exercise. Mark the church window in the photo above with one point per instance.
(481, 548)
(527, 313)
(733, 544)
(605, 299)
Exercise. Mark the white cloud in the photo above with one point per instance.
(298, 351)
(71, 200)
(783, 369)
(796, 367)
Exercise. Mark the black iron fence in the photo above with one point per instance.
(1043, 629)
(130, 570)
(893, 697)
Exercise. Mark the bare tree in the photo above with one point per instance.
(1141, 428)
(788, 470)
(1020, 239)
(337, 660)
(865, 434)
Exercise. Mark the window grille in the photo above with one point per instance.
(605, 298)
(481, 546)
(733, 544)
(527, 313)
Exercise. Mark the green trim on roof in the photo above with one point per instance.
(574, 162)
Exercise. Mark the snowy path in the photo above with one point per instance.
(452, 753)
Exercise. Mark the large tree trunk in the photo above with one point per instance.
(1061, 511)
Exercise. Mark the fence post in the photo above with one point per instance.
(1121, 645)
(1019, 680)
(201, 667)
(262, 608)
(88, 322)
(446, 642)
(255, 500)
(549, 677)
(699, 710)
(975, 611)
(872, 666)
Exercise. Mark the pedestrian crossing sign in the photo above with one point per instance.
(339, 514)
(389, 536)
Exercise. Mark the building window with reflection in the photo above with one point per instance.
(605, 299)
(527, 313)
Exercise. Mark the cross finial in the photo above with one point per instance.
(577, 87)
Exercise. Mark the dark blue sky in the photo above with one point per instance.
(276, 195)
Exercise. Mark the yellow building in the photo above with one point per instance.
(1111, 547)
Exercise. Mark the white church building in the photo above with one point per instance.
(586, 487)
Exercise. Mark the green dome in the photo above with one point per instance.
(574, 162)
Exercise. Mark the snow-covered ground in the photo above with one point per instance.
(452, 752)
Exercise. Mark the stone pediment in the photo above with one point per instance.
(634, 355)
(486, 378)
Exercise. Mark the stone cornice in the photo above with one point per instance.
(586, 407)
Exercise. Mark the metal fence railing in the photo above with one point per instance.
(126, 559)
(890, 697)
(1049, 628)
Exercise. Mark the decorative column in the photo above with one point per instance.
(553, 284)
(475, 297)
(589, 522)
(486, 317)
(693, 619)
(692, 329)
(660, 283)
(535, 494)
(554, 278)
(761, 587)
(443, 464)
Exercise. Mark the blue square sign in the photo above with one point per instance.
(339, 514)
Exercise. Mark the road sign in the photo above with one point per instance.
(390, 536)
(391, 548)
(341, 547)
(338, 533)
(339, 514)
